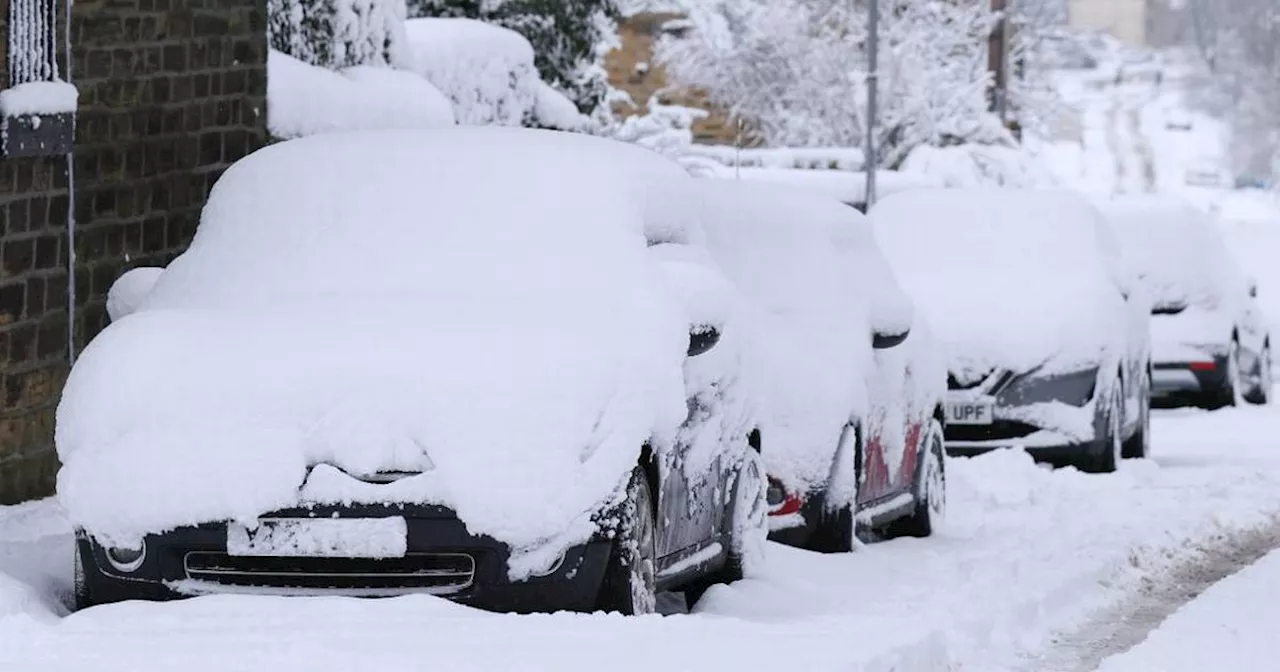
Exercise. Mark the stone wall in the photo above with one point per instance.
(171, 93)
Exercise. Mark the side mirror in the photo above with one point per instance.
(702, 340)
(129, 290)
(1253, 291)
(881, 341)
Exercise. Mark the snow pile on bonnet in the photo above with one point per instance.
(1176, 250)
(477, 305)
(305, 100)
(38, 98)
(128, 292)
(1007, 278)
(486, 71)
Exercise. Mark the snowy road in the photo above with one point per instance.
(1028, 553)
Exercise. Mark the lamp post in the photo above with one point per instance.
(873, 83)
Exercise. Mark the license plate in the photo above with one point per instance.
(320, 537)
(971, 412)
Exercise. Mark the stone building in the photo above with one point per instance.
(1126, 20)
(170, 93)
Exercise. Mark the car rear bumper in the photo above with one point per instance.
(1173, 380)
(441, 558)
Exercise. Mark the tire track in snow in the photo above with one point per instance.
(1117, 629)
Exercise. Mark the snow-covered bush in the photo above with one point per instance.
(305, 100)
(488, 73)
(338, 34)
(978, 166)
(569, 37)
(797, 70)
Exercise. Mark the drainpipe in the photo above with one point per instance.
(71, 209)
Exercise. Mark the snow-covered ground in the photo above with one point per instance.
(1027, 553)
(1230, 627)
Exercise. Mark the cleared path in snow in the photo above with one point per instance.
(1027, 553)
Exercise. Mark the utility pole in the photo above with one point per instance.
(998, 62)
(873, 83)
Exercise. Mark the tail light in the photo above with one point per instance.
(781, 503)
(1203, 366)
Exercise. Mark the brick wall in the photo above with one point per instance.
(171, 93)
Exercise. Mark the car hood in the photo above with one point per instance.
(1019, 330)
(175, 418)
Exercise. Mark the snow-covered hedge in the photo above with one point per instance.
(569, 37)
(978, 165)
(305, 100)
(488, 73)
(337, 34)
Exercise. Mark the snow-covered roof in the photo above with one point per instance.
(1177, 250)
(1009, 278)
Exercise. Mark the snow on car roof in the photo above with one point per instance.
(479, 305)
(1176, 249)
(1008, 278)
(807, 311)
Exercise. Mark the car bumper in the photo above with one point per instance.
(1172, 380)
(441, 559)
(1047, 431)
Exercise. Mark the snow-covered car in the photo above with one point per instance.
(1044, 327)
(849, 386)
(460, 362)
(1211, 343)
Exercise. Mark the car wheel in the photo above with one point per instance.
(1109, 447)
(1229, 393)
(1139, 445)
(930, 487)
(1262, 393)
(748, 528)
(837, 528)
(80, 587)
(630, 579)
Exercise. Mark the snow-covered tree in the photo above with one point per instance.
(1239, 41)
(338, 34)
(797, 70)
(568, 37)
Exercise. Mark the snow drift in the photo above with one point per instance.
(477, 305)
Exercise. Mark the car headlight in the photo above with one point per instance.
(1075, 388)
(127, 560)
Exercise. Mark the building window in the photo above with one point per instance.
(37, 105)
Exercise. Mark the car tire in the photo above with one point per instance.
(748, 528)
(1261, 394)
(837, 527)
(80, 598)
(1139, 445)
(1229, 391)
(930, 487)
(630, 578)
(1108, 449)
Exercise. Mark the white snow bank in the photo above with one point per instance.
(1008, 278)
(978, 165)
(504, 331)
(1231, 626)
(554, 110)
(847, 187)
(35, 561)
(487, 71)
(1177, 251)
(38, 98)
(305, 100)
(129, 290)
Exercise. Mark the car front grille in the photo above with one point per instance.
(437, 573)
(1000, 430)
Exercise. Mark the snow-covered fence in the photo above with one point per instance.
(338, 34)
